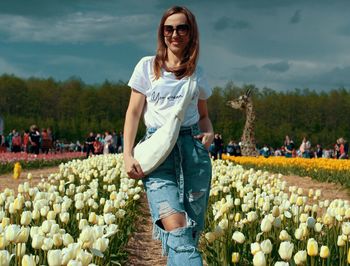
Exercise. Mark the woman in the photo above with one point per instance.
(288, 147)
(178, 189)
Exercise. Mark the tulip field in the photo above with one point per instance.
(81, 215)
(321, 169)
(84, 215)
(254, 219)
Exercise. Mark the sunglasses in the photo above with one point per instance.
(181, 30)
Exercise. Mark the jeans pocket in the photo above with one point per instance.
(198, 143)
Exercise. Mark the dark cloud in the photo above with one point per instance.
(37, 8)
(335, 78)
(296, 18)
(282, 66)
(229, 23)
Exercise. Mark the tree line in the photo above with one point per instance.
(72, 109)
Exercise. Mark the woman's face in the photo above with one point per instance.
(176, 40)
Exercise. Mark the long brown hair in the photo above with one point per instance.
(189, 60)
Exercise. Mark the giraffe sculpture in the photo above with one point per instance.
(245, 103)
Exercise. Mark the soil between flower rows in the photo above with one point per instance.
(143, 250)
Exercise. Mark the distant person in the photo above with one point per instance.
(289, 147)
(219, 144)
(26, 141)
(304, 148)
(319, 151)
(120, 144)
(16, 142)
(98, 144)
(336, 154)
(90, 144)
(265, 151)
(343, 153)
(34, 139)
(108, 141)
(238, 150)
(230, 148)
(45, 141)
(114, 148)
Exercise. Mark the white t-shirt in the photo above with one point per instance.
(165, 92)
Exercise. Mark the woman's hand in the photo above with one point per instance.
(133, 168)
(206, 138)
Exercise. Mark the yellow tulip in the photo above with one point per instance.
(312, 247)
(235, 257)
(17, 170)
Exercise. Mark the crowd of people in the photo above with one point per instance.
(36, 141)
(104, 143)
(43, 141)
(30, 141)
(288, 149)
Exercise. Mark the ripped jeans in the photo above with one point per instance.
(181, 185)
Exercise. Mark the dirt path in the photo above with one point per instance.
(6, 180)
(143, 250)
(330, 191)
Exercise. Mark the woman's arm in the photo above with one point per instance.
(205, 125)
(132, 118)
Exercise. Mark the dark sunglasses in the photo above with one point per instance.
(181, 30)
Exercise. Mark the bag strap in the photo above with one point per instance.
(189, 92)
(180, 109)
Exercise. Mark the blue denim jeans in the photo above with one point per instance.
(181, 185)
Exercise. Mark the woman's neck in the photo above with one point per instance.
(173, 60)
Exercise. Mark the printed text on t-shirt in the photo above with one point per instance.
(156, 97)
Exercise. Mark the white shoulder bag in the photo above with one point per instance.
(153, 151)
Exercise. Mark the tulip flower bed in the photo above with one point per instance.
(32, 161)
(82, 215)
(321, 169)
(254, 220)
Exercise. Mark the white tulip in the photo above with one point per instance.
(84, 257)
(54, 257)
(101, 244)
(28, 260)
(26, 217)
(255, 248)
(259, 259)
(47, 244)
(74, 263)
(37, 241)
(238, 237)
(266, 225)
(64, 217)
(4, 258)
(286, 250)
(281, 263)
(266, 246)
(11, 232)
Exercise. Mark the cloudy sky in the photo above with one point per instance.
(281, 44)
